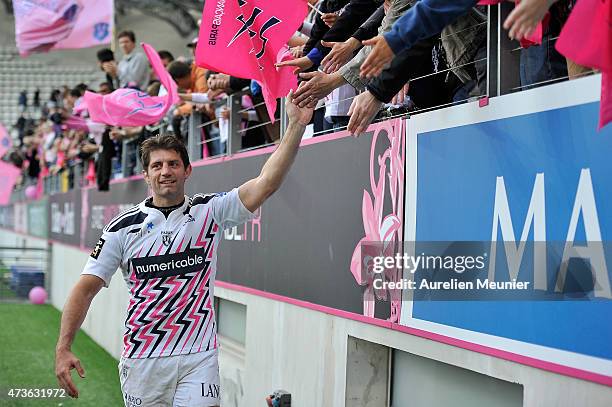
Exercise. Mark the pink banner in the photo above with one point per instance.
(41, 25)
(586, 39)
(9, 176)
(93, 27)
(5, 141)
(131, 107)
(243, 38)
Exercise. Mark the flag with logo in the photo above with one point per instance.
(243, 38)
(586, 39)
(5, 141)
(10, 173)
(132, 107)
(42, 25)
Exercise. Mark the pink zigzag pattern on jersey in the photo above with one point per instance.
(150, 297)
(127, 345)
(193, 314)
(199, 242)
(208, 306)
(172, 316)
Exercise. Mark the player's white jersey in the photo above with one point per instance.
(169, 266)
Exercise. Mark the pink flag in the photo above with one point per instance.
(10, 173)
(41, 25)
(243, 38)
(94, 25)
(5, 141)
(586, 39)
(131, 107)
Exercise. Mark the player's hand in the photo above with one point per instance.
(525, 17)
(362, 111)
(65, 361)
(378, 58)
(316, 85)
(340, 54)
(301, 64)
(296, 114)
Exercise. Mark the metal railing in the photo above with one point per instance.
(498, 71)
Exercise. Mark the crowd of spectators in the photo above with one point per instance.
(356, 60)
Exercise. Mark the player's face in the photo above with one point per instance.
(166, 176)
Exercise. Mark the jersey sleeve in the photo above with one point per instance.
(105, 258)
(228, 210)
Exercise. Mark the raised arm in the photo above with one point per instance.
(73, 315)
(253, 193)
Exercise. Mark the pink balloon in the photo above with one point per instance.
(38, 295)
(30, 192)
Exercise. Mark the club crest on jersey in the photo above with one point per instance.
(166, 237)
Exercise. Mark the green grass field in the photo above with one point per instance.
(28, 334)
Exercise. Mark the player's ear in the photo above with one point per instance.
(188, 171)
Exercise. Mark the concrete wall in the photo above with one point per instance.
(305, 351)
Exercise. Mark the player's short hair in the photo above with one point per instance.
(127, 33)
(162, 142)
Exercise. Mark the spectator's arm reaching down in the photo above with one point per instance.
(355, 13)
(369, 28)
(410, 63)
(526, 16)
(424, 19)
(253, 193)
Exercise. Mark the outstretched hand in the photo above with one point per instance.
(301, 64)
(340, 54)
(525, 17)
(380, 55)
(296, 114)
(362, 111)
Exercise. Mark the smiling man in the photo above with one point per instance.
(166, 247)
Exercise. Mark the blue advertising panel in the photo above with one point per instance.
(542, 177)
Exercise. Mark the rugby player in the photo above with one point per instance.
(166, 248)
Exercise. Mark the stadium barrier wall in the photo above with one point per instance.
(291, 267)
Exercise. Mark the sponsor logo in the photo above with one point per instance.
(210, 390)
(168, 265)
(132, 401)
(97, 249)
(147, 229)
(189, 219)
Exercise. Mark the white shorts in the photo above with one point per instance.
(177, 381)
